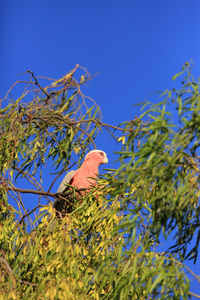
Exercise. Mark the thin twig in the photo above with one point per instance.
(32, 180)
(31, 223)
(10, 271)
(195, 295)
(98, 122)
(89, 137)
(19, 81)
(37, 83)
(60, 175)
(30, 212)
(197, 277)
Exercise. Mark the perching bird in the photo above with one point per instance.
(83, 178)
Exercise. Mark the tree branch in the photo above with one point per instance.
(43, 193)
(37, 83)
(197, 277)
(10, 271)
(195, 295)
(60, 173)
(30, 212)
(29, 191)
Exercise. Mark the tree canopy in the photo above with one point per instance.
(109, 246)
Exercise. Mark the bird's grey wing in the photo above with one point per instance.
(60, 205)
(66, 180)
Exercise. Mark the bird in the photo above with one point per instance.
(83, 178)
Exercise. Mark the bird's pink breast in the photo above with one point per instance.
(83, 178)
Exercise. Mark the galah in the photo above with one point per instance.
(83, 178)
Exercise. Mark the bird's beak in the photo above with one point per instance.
(105, 160)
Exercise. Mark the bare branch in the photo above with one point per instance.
(30, 212)
(37, 83)
(30, 178)
(197, 277)
(60, 173)
(19, 81)
(29, 191)
(43, 193)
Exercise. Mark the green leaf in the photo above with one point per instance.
(177, 75)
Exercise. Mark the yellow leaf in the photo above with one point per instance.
(63, 79)
(122, 138)
(82, 79)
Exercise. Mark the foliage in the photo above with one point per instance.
(109, 246)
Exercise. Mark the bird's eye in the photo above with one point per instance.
(101, 153)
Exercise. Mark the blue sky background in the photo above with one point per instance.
(138, 45)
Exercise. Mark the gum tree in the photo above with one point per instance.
(108, 247)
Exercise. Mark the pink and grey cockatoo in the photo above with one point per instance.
(83, 178)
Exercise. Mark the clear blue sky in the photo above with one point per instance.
(138, 44)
